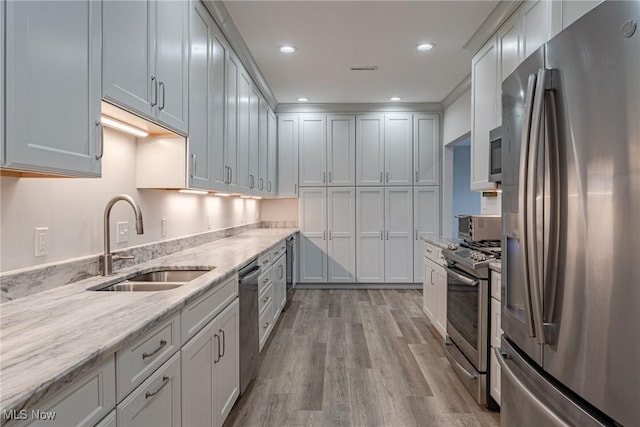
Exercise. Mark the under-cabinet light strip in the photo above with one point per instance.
(115, 124)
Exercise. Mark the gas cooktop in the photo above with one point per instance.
(474, 255)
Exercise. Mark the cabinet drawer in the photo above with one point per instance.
(197, 314)
(265, 299)
(82, 403)
(277, 252)
(109, 420)
(434, 253)
(264, 261)
(266, 323)
(156, 402)
(137, 361)
(264, 281)
(496, 285)
(496, 323)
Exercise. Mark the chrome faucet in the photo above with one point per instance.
(107, 260)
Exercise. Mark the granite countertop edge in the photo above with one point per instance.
(441, 242)
(37, 329)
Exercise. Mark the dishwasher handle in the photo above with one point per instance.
(249, 273)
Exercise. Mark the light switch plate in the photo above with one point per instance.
(123, 232)
(42, 241)
(163, 227)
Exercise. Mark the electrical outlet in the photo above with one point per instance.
(163, 227)
(42, 241)
(123, 232)
(210, 220)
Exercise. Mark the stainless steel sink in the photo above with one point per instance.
(153, 281)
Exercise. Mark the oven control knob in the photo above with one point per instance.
(482, 257)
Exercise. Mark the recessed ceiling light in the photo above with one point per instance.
(303, 99)
(425, 46)
(287, 49)
(395, 98)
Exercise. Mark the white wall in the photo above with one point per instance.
(279, 210)
(73, 208)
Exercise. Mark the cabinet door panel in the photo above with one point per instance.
(426, 219)
(440, 277)
(313, 151)
(398, 151)
(536, 25)
(272, 153)
(370, 150)
(483, 113)
(370, 233)
(231, 136)
(288, 156)
(254, 140)
(172, 70)
(201, 77)
(244, 114)
(217, 118)
(313, 230)
(127, 49)
(227, 368)
(263, 144)
(198, 377)
(399, 235)
(426, 149)
(341, 150)
(342, 224)
(429, 289)
(53, 77)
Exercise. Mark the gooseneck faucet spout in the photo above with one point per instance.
(107, 261)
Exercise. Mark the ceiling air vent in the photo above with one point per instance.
(364, 68)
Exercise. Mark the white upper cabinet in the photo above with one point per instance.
(398, 151)
(370, 150)
(370, 234)
(535, 25)
(53, 74)
(263, 144)
(484, 115)
(288, 155)
(398, 216)
(145, 65)
(254, 140)
(272, 152)
(313, 235)
(426, 223)
(231, 128)
(426, 149)
(244, 114)
(509, 52)
(341, 221)
(312, 148)
(572, 10)
(341, 150)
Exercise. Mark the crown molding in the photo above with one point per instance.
(407, 107)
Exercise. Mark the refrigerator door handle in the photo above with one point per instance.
(533, 400)
(522, 198)
(531, 217)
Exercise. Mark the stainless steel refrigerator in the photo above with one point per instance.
(571, 227)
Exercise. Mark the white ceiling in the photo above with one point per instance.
(331, 36)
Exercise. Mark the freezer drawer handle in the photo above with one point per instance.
(506, 371)
(470, 375)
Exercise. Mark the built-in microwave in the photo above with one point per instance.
(479, 227)
(495, 155)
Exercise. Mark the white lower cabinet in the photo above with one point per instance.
(279, 280)
(496, 334)
(210, 371)
(109, 420)
(398, 218)
(313, 235)
(370, 234)
(426, 221)
(435, 288)
(157, 401)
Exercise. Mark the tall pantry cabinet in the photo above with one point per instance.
(369, 192)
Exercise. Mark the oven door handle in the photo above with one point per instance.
(464, 279)
(470, 375)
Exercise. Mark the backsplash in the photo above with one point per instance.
(21, 283)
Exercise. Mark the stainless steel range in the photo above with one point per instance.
(468, 312)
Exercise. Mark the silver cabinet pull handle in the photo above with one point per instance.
(101, 133)
(262, 183)
(264, 301)
(224, 344)
(330, 179)
(387, 176)
(276, 253)
(165, 381)
(269, 186)
(381, 235)
(387, 234)
(416, 176)
(154, 87)
(193, 166)
(329, 234)
(295, 188)
(416, 234)
(230, 174)
(227, 178)
(381, 177)
(324, 235)
(324, 177)
(217, 338)
(266, 325)
(163, 96)
(147, 355)
(432, 277)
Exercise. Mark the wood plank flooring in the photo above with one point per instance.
(356, 358)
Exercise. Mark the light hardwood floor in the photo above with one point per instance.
(356, 358)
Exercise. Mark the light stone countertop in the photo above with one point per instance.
(496, 266)
(50, 338)
(440, 242)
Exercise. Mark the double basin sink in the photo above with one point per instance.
(158, 280)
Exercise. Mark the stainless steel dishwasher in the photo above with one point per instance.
(249, 341)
